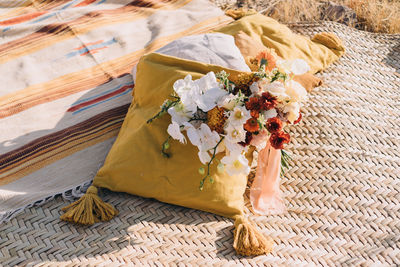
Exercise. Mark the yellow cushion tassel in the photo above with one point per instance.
(239, 13)
(248, 241)
(89, 209)
(331, 41)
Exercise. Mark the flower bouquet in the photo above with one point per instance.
(223, 115)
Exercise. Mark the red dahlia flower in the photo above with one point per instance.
(253, 104)
(278, 140)
(268, 101)
(274, 125)
(255, 113)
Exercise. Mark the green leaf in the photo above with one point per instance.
(263, 62)
(285, 158)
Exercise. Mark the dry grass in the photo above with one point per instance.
(372, 15)
(377, 16)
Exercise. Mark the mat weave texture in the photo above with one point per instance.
(342, 191)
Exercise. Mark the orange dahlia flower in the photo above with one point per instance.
(251, 125)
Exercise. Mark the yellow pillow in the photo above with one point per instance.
(136, 165)
(322, 50)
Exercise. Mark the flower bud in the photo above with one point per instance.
(202, 171)
(220, 168)
(166, 145)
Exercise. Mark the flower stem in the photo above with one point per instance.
(197, 119)
(164, 109)
(209, 163)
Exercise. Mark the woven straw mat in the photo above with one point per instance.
(342, 190)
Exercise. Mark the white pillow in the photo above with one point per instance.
(211, 48)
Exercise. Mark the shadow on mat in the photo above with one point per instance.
(145, 229)
(393, 58)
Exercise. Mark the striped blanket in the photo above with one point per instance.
(65, 84)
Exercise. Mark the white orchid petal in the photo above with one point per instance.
(180, 117)
(236, 164)
(233, 147)
(210, 98)
(193, 135)
(238, 116)
(228, 102)
(207, 82)
(235, 133)
(204, 157)
(175, 132)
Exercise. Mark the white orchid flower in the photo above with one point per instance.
(174, 130)
(210, 98)
(236, 164)
(188, 91)
(204, 139)
(233, 147)
(209, 139)
(238, 116)
(193, 135)
(179, 115)
(228, 102)
(207, 82)
(235, 134)
(183, 86)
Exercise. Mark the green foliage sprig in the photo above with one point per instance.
(222, 76)
(285, 159)
(277, 75)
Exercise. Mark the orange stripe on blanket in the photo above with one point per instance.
(87, 44)
(85, 79)
(22, 18)
(54, 33)
(85, 3)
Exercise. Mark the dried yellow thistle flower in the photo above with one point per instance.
(216, 119)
